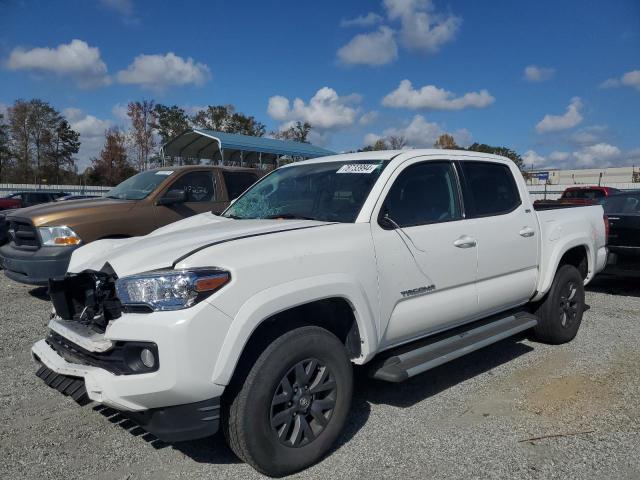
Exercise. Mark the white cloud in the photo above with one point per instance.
(598, 155)
(368, 117)
(123, 7)
(370, 139)
(75, 59)
(629, 79)
(571, 118)
(557, 156)
(375, 48)
(91, 130)
(532, 159)
(590, 135)
(325, 111)
(368, 20)
(421, 27)
(157, 72)
(420, 133)
(119, 112)
(431, 97)
(533, 73)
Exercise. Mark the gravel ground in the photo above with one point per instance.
(517, 409)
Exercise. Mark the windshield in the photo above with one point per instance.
(332, 191)
(139, 186)
(584, 193)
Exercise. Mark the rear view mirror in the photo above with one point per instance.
(172, 197)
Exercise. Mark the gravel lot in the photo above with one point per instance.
(479, 417)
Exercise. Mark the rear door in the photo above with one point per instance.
(201, 196)
(506, 230)
(426, 258)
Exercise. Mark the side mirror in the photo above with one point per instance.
(172, 197)
(384, 221)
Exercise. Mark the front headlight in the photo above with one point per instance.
(170, 289)
(58, 236)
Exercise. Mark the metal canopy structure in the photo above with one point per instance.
(235, 149)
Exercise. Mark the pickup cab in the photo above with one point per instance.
(581, 195)
(43, 237)
(250, 322)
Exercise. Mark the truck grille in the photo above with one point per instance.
(23, 234)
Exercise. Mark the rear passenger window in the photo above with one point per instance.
(490, 189)
(423, 193)
(238, 182)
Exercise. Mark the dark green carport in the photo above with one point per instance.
(197, 145)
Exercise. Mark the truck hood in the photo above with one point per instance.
(168, 245)
(65, 213)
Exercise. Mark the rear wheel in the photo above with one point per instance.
(560, 313)
(293, 403)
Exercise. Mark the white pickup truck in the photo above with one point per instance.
(249, 322)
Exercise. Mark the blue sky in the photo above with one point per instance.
(559, 82)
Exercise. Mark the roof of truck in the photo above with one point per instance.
(403, 155)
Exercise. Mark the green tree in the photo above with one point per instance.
(503, 151)
(379, 144)
(64, 144)
(42, 120)
(19, 139)
(298, 132)
(5, 152)
(169, 122)
(224, 118)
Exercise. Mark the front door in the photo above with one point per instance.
(426, 258)
(200, 196)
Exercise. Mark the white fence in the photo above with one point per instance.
(553, 192)
(9, 188)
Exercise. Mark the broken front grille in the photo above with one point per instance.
(23, 234)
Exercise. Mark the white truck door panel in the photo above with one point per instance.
(506, 230)
(429, 263)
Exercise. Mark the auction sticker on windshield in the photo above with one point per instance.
(164, 172)
(357, 168)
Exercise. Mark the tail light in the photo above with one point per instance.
(607, 227)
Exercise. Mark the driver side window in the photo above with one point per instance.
(422, 194)
(197, 186)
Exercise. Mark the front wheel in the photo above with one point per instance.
(560, 313)
(293, 403)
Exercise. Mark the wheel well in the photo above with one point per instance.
(333, 314)
(577, 256)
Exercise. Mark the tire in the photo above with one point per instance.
(264, 419)
(560, 313)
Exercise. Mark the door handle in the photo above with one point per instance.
(465, 241)
(527, 232)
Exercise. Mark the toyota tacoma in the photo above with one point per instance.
(250, 322)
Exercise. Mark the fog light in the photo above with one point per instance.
(147, 358)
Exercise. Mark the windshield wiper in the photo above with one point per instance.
(288, 216)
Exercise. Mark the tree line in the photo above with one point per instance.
(38, 145)
(446, 141)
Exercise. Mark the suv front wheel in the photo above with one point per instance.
(293, 403)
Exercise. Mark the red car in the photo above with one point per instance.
(579, 196)
(28, 199)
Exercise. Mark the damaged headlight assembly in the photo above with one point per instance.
(163, 290)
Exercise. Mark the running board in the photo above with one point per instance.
(400, 367)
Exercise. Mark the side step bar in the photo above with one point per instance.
(400, 367)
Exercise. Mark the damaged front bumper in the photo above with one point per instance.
(175, 402)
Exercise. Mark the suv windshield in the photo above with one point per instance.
(139, 186)
(331, 191)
